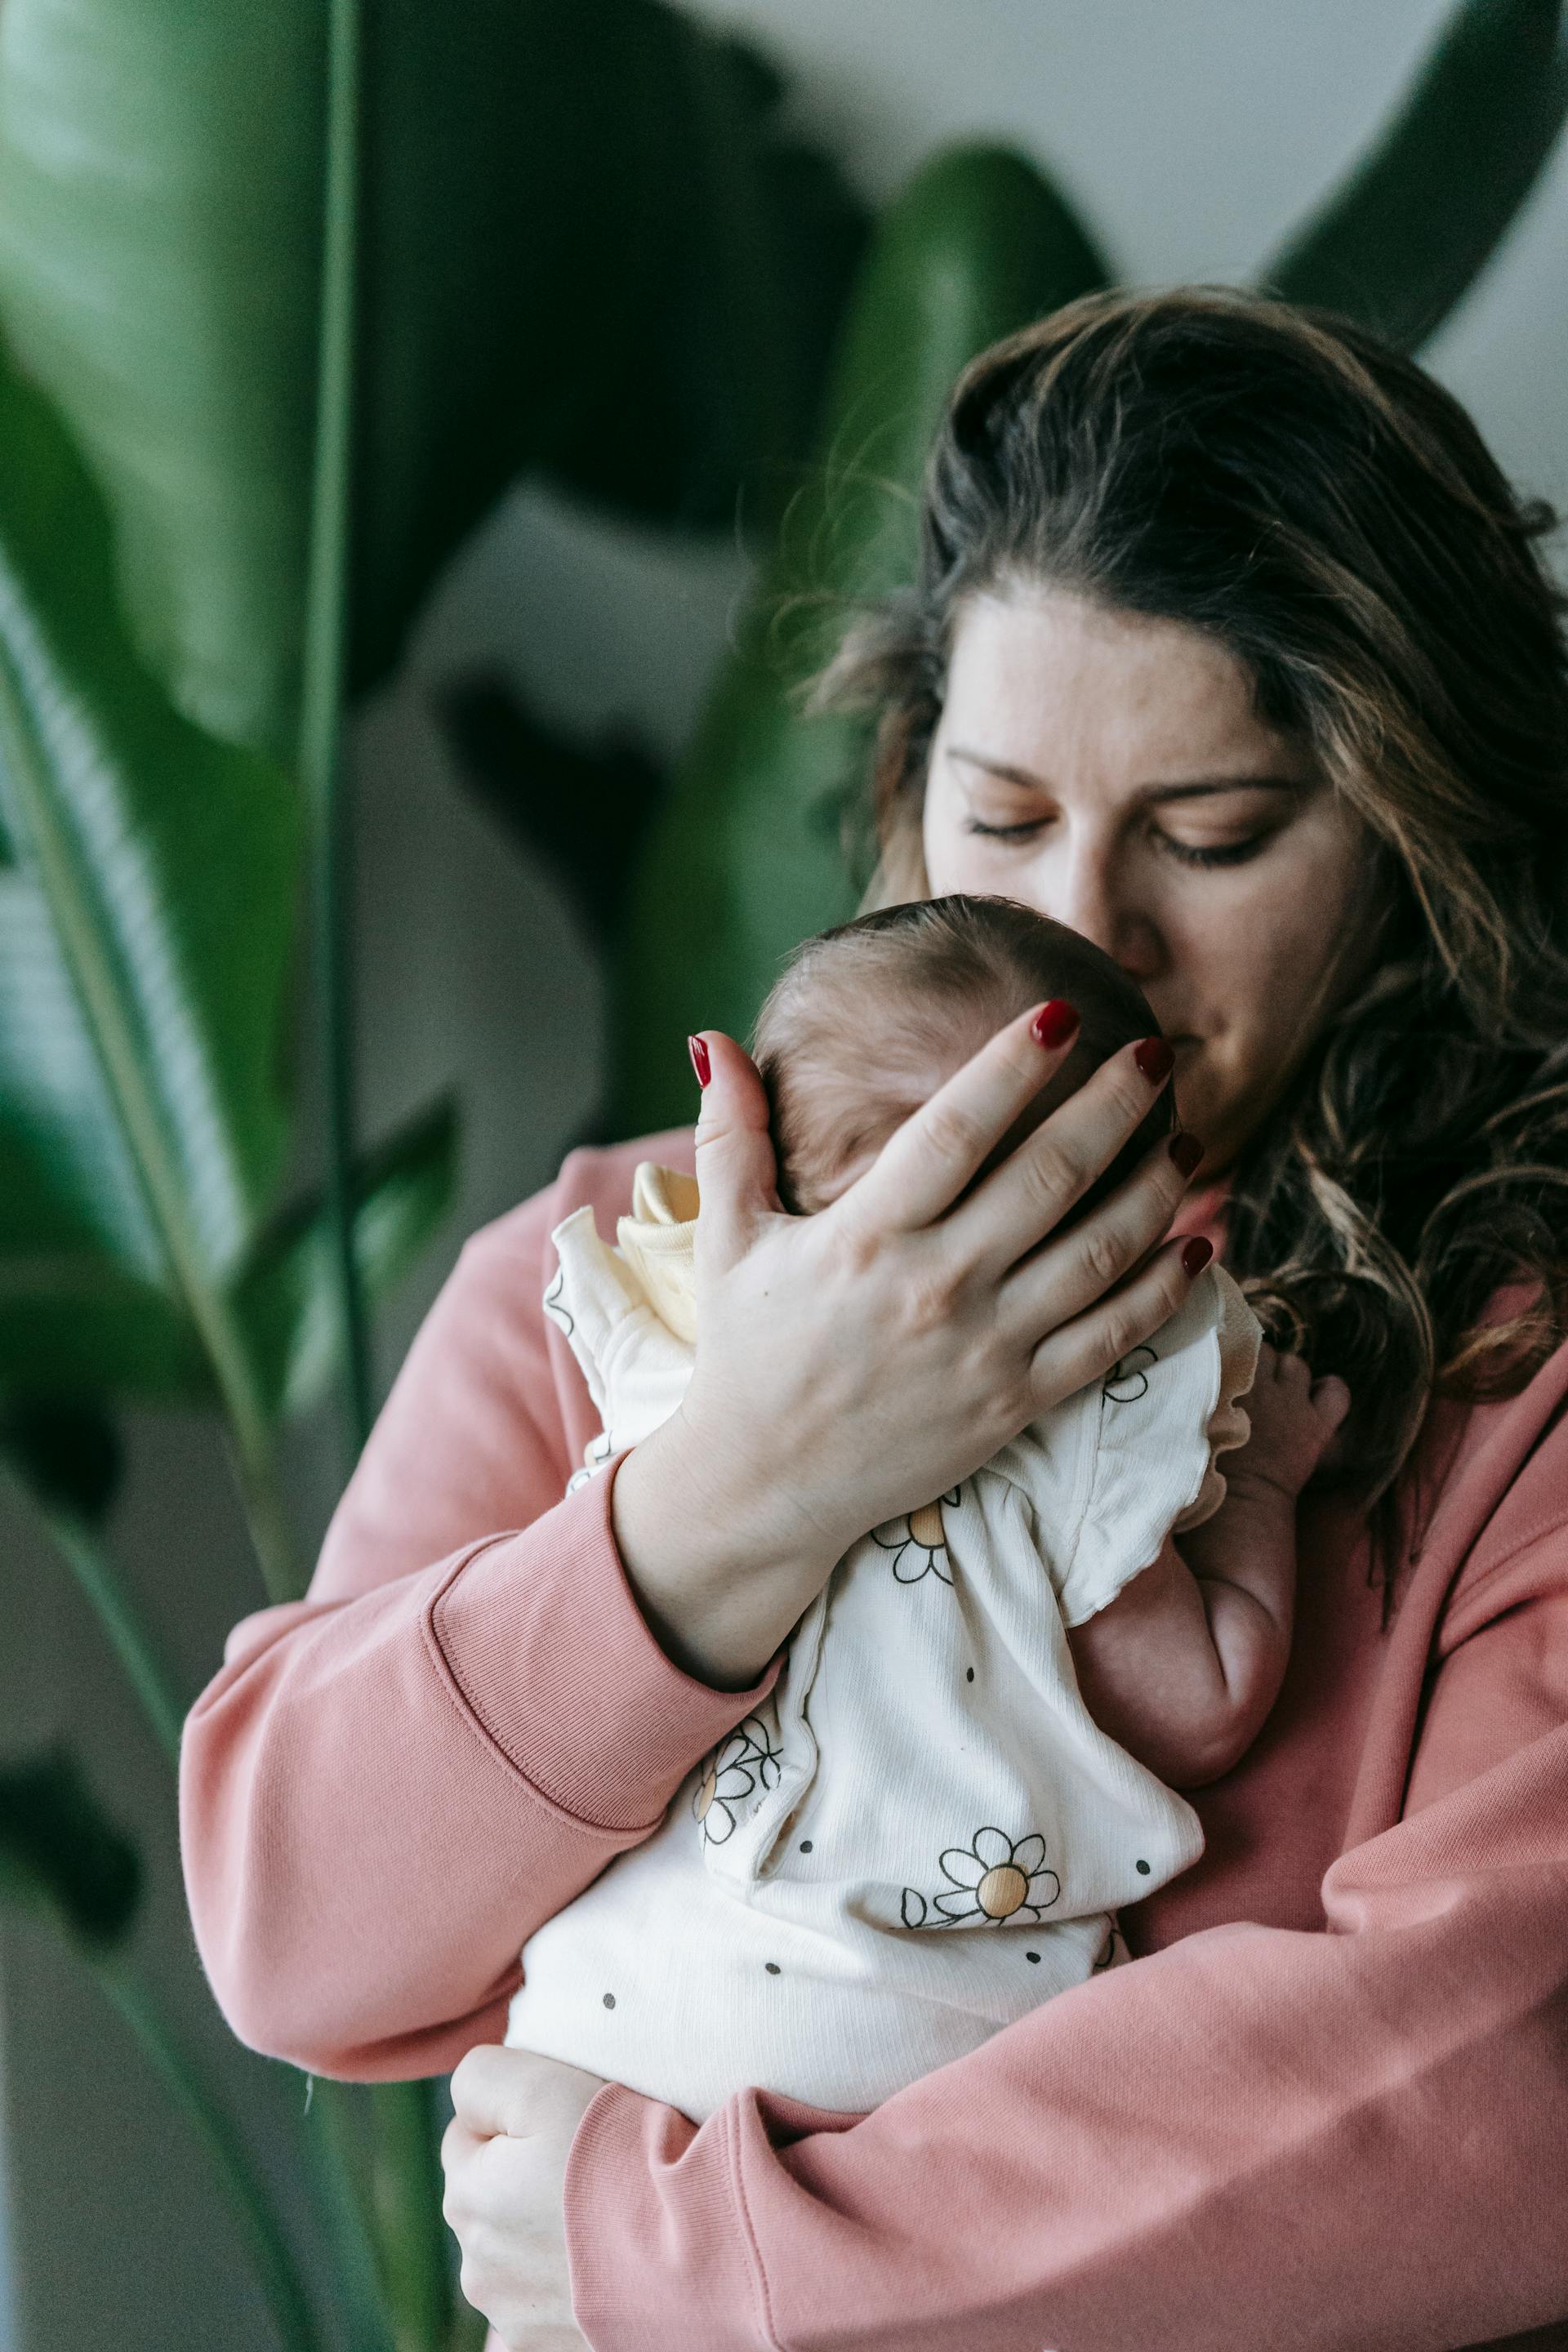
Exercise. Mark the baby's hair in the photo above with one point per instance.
(917, 983)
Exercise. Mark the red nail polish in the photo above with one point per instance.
(1155, 1058)
(1054, 1024)
(1196, 1256)
(698, 1049)
(1186, 1151)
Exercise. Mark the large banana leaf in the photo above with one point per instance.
(588, 246)
(73, 1326)
(160, 192)
(1399, 243)
(746, 857)
(148, 915)
(147, 899)
(585, 244)
(286, 1300)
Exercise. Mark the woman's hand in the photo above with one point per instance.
(855, 1363)
(504, 2155)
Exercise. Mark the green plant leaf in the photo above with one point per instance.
(747, 856)
(61, 1855)
(586, 243)
(1404, 237)
(146, 930)
(288, 1299)
(75, 1330)
(160, 193)
(589, 248)
(67, 1454)
(583, 809)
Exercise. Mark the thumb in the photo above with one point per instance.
(1331, 1399)
(736, 1170)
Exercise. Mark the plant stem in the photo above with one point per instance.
(332, 2137)
(121, 1621)
(268, 2246)
(321, 698)
(407, 2184)
(406, 2169)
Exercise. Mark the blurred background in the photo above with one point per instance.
(397, 754)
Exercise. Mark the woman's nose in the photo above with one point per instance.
(1089, 899)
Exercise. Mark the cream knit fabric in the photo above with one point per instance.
(923, 1833)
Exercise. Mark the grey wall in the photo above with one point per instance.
(1193, 132)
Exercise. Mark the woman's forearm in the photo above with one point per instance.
(387, 1786)
(1259, 2136)
(360, 1900)
(722, 1578)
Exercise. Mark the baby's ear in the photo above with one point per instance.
(735, 1164)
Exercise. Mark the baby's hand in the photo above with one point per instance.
(1293, 1417)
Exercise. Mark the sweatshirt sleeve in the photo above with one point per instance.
(391, 1783)
(1338, 2141)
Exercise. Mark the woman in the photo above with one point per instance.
(1231, 648)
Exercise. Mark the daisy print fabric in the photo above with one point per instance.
(995, 1879)
(917, 1546)
(922, 1832)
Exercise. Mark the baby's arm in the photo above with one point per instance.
(1185, 1664)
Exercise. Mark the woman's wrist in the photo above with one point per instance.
(721, 1573)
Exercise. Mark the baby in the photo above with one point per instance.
(925, 1831)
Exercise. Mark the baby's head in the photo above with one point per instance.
(868, 1020)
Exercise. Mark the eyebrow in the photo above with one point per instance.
(1199, 788)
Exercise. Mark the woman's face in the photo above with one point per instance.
(1111, 771)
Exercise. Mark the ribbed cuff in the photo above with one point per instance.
(656, 2233)
(544, 1640)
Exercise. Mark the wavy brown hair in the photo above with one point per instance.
(1314, 501)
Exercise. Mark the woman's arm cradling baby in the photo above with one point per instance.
(1183, 1667)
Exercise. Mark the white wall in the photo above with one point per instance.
(1193, 132)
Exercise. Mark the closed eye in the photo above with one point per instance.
(1230, 853)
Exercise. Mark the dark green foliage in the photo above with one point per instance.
(589, 249)
(286, 1298)
(747, 854)
(69, 1454)
(1404, 238)
(583, 809)
(61, 1855)
(586, 245)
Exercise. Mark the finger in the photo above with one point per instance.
(493, 2091)
(1068, 1272)
(457, 2143)
(938, 1151)
(1043, 1178)
(1331, 1399)
(736, 1170)
(1086, 1349)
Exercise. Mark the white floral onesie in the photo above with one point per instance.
(923, 1833)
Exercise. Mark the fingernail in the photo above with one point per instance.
(1186, 1151)
(1054, 1024)
(698, 1049)
(1196, 1256)
(1155, 1058)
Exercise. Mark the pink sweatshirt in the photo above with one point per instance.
(1329, 2110)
